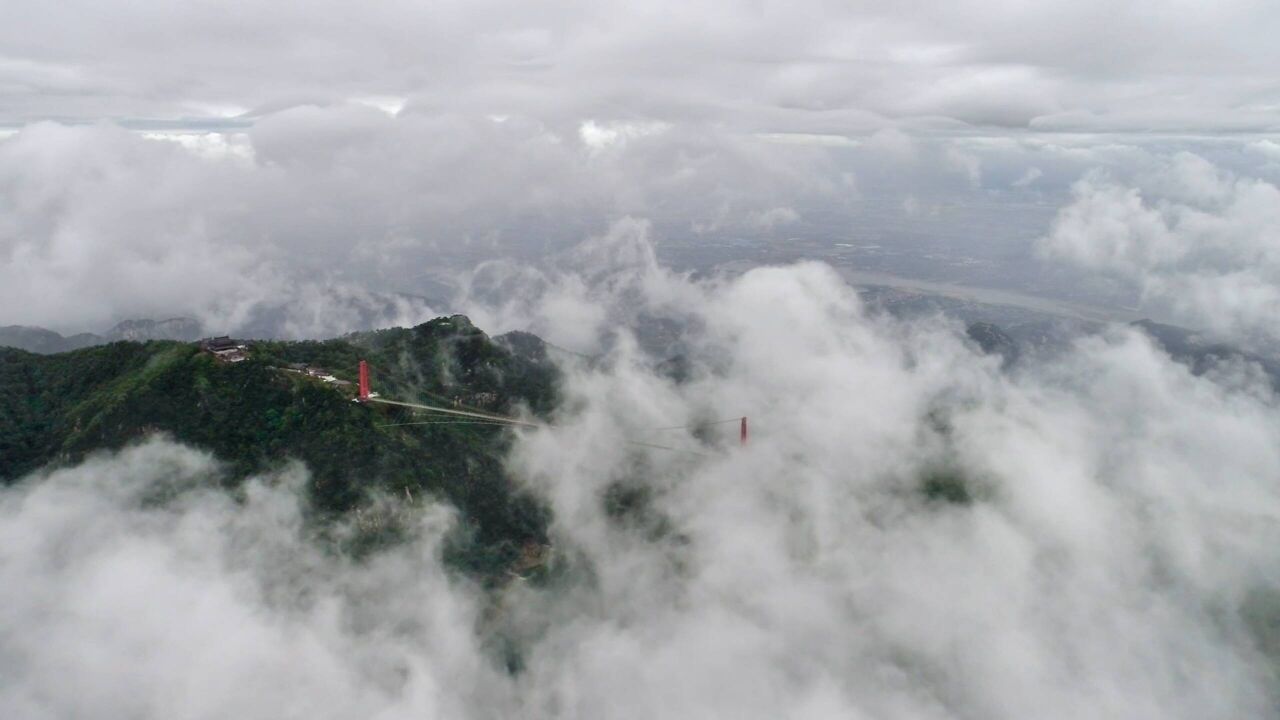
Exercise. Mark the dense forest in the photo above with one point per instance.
(264, 411)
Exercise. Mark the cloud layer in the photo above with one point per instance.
(1117, 560)
(357, 155)
(317, 207)
(313, 169)
(321, 220)
(1195, 241)
(773, 67)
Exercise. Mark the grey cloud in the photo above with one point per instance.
(207, 606)
(774, 67)
(1122, 538)
(810, 582)
(349, 203)
(1193, 240)
(1119, 553)
(101, 224)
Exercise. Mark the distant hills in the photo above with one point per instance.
(332, 313)
(40, 340)
(1019, 333)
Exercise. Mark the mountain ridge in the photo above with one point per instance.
(260, 413)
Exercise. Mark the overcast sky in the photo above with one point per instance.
(314, 167)
(824, 67)
(316, 149)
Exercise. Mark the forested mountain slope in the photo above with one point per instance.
(267, 410)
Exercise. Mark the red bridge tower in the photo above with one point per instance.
(364, 382)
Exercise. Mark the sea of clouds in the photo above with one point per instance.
(307, 170)
(321, 220)
(1118, 559)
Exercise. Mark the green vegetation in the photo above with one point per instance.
(946, 485)
(632, 506)
(254, 416)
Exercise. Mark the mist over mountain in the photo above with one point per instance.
(692, 359)
(40, 340)
(323, 315)
(287, 402)
(169, 329)
(916, 527)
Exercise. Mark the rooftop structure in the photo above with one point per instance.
(225, 348)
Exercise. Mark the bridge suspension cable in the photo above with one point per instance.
(695, 426)
(483, 418)
(449, 422)
(462, 413)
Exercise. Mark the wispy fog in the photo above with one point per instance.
(1115, 553)
(672, 194)
(322, 220)
(1195, 240)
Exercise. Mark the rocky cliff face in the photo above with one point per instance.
(179, 328)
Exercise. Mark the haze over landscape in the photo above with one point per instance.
(994, 284)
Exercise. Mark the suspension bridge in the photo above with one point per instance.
(472, 416)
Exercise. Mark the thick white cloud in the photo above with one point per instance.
(375, 148)
(100, 224)
(1119, 558)
(320, 220)
(211, 607)
(1197, 242)
(315, 208)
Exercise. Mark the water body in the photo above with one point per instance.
(990, 296)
